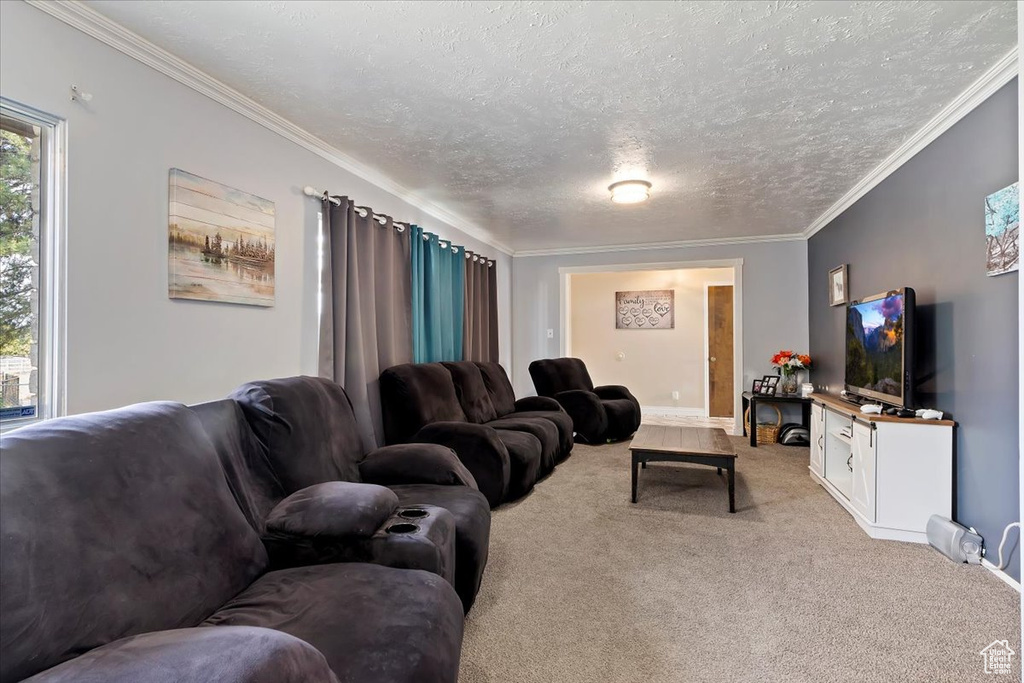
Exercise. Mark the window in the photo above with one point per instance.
(31, 373)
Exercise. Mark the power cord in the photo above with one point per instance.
(1006, 531)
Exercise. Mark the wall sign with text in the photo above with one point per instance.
(647, 310)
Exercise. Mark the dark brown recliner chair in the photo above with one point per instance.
(305, 434)
(508, 409)
(599, 414)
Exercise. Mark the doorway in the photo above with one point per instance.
(719, 359)
(667, 370)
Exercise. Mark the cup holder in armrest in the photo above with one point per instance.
(413, 513)
(402, 528)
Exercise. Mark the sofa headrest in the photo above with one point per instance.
(416, 394)
(503, 397)
(113, 524)
(472, 391)
(306, 429)
(251, 478)
(555, 375)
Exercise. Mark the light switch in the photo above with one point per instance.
(551, 333)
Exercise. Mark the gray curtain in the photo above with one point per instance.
(365, 313)
(480, 310)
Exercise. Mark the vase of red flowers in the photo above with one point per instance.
(790, 364)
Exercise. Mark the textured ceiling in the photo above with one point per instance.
(750, 118)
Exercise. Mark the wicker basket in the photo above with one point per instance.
(766, 431)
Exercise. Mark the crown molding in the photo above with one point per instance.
(96, 25)
(1001, 73)
(682, 244)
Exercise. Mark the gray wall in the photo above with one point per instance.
(126, 340)
(774, 300)
(923, 227)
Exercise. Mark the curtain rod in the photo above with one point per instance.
(363, 211)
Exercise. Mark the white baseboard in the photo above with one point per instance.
(672, 411)
(1006, 578)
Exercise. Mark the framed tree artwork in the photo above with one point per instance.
(221, 243)
(1002, 230)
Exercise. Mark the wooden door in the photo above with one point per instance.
(720, 351)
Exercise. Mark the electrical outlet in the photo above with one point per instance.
(675, 395)
(551, 333)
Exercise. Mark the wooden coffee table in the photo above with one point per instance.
(700, 445)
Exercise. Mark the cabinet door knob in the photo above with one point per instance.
(712, 359)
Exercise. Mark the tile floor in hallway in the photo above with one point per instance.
(653, 417)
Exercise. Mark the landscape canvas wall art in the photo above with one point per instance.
(645, 310)
(1002, 227)
(220, 242)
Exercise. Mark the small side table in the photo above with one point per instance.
(751, 400)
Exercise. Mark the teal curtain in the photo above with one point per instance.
(438, 282)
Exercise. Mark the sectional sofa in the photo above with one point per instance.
(507, 444)
(158, 541)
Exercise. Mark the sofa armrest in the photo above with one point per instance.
(479, 449)
(417, 463)
(335, 509)
(617, 391)
(531, 403)
(232, 654)
(613, 391)
(589, 418)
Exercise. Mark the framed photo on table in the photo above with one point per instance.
(756, 389)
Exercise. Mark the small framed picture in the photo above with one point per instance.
(757, 387)
(838, 286)
(770, 380)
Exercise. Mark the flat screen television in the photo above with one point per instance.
(880, 347)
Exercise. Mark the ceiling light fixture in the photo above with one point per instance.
(630, 191)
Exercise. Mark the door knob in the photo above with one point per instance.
(712, 359)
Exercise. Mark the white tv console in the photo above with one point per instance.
(891, 474)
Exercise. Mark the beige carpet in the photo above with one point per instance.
(583, 586)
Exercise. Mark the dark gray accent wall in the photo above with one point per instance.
(923, 227)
